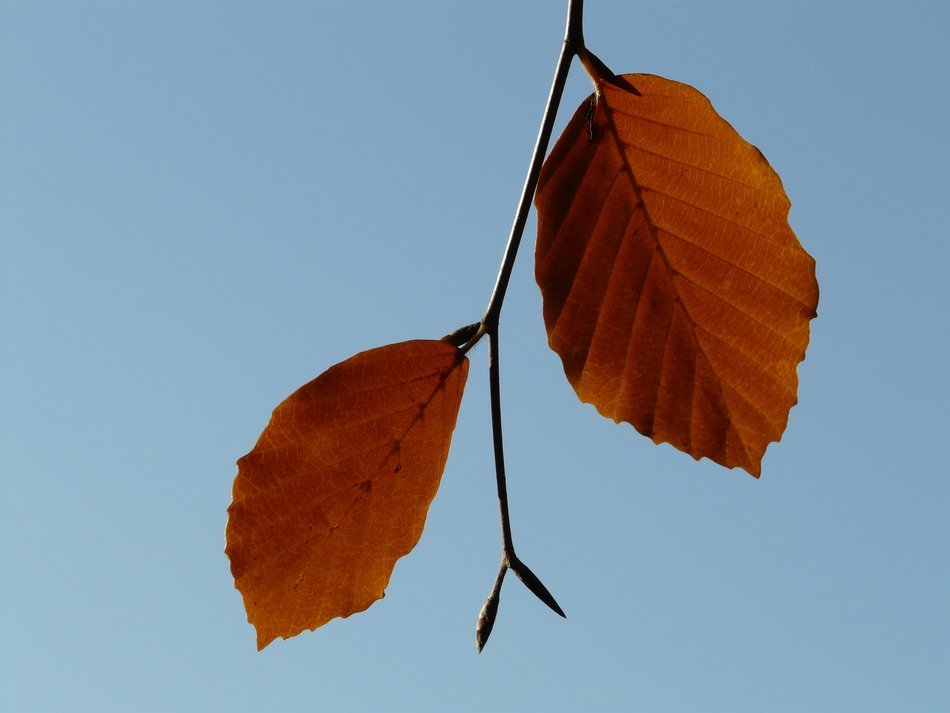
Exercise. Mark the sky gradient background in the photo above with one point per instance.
(203, 205)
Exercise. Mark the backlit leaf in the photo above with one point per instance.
(675, 292)
(339, 485)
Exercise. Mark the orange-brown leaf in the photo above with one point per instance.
(675, 292)
(339, 484)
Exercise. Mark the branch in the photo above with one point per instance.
(509, 560)
(573, 45)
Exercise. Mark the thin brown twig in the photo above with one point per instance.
(573, 45)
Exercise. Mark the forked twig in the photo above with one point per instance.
(573, 45)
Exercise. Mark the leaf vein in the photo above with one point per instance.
(708, 171)
(784, 337)
(758, 277)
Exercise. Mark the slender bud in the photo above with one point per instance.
(486, 619)
(534, 584)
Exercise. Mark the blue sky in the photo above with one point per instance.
(204, 205)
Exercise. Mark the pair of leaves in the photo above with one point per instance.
(674, 292)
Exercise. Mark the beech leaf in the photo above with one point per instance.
(674, 290)
(339, 484)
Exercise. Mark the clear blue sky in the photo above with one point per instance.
(205, 204)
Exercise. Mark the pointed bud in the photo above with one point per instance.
(534, 584)
(486, 619)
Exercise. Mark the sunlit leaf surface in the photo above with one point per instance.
(339, 485)
(675, 292)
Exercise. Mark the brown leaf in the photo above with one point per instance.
(675, 292)
(339, 485)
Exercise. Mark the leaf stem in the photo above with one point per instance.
(573, 44)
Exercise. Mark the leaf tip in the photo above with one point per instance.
(263, 640)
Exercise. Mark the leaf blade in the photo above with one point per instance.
(339, 484)
(669, 273)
